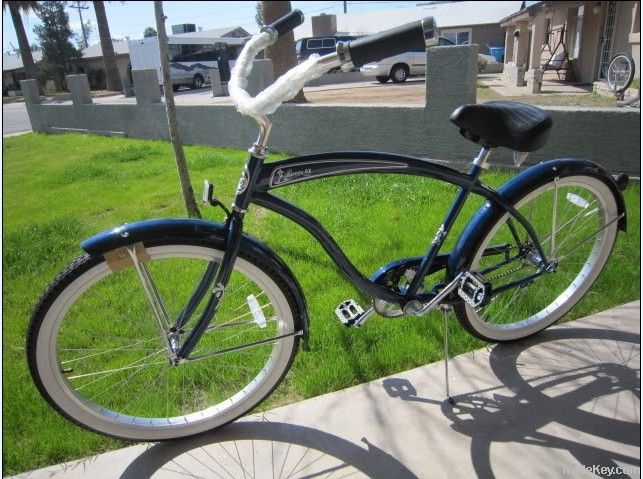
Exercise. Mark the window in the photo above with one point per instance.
(233, 51)
(329, 43)
(193, 53)
(458, 37)
(314, 43)
(547, 28)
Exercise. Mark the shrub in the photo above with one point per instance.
(482, 64)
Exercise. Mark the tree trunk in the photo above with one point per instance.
(173, 124)
(25, 50)
(112, 76)
(282, 53)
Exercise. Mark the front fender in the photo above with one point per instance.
(185, 228)
(514, 189)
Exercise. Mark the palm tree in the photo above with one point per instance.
(15, 8)
(112, 76)
(282, 53)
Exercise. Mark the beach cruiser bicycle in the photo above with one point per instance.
(170, 327)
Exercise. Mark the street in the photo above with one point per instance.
(15, 118)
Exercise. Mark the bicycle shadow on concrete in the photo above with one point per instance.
(583, 379)
(265, 449)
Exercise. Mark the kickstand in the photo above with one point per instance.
(446, 309)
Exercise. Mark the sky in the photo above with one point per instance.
(130, 18)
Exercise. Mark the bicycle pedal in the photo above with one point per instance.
(350, 313)
(473, 289)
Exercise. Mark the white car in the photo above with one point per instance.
(402, 66)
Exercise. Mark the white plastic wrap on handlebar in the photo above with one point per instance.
(283, 89)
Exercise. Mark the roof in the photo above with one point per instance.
(121, 47)
(94, 51)
(14, 62)
(216, 33)
(446, 15)
(527, 6)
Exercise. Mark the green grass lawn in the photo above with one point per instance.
(60, 189)
(485, 93)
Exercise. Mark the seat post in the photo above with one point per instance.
(481, 160)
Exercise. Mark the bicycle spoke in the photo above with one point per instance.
(111, 371)
(105, 351)
(151, 293)
(571, 220)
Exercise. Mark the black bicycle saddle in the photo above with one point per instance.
(516, 126)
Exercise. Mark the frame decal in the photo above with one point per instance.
(308, 170)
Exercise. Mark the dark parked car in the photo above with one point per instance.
(321, 45)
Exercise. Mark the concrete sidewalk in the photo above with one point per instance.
(565, 403)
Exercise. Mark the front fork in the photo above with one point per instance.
(233, 232)
(234, 229)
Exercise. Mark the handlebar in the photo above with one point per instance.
(287, 23)
(405, 38)
(356, 53)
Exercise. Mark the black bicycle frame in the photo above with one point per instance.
(258, 179)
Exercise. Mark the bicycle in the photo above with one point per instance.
(199, 322)
(620, 74)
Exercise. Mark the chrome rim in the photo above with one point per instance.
(115, 372)
(580, 242)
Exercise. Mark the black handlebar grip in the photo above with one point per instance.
(392, 42)
(288, 22)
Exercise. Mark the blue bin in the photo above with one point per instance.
(498, 53)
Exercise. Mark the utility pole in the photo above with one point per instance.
(345, 6)
(80, 6)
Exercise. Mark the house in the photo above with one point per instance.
(92, 64)
(461, 22)
(13, 71)
(577, 38)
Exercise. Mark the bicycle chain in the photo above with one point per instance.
(508, 272)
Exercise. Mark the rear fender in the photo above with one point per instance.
(513, 190)
(186, 229)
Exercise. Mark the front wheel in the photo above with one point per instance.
(575, 220)
(399, 73)
(99, 355)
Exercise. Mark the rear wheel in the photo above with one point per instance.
(620, 72)
(97, 353)
(575, 219)
(197, 81)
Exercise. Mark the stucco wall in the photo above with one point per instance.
(610, 137)
(586, 68)
(623, 40)
(487, 35)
